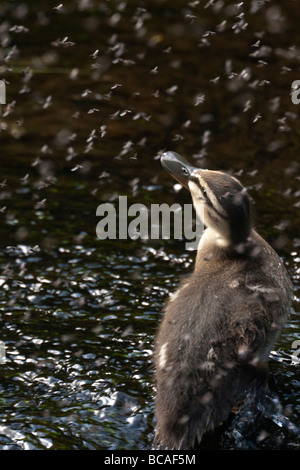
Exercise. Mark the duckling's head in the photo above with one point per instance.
(220, 201)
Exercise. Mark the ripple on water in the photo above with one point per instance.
(66, 358)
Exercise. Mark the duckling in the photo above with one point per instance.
(218, 329)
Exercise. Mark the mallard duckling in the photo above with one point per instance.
(218, 329)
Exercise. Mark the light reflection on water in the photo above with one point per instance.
(73, 337)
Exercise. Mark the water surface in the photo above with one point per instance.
(96, 90)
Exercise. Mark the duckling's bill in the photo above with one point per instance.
(178, 167)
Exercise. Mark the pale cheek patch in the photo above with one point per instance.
(201, 211)
(198, 196)
(198, 201)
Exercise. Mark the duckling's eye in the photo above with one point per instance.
(184, 171)
(204, 192)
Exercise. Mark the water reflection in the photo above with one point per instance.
(71, 340)
(78, 350)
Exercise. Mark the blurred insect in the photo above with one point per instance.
(172, 90)
(247, 106)
(191, 18)
(85, 93)
(221, 27)
(63, 42)
(58, 7)
(103, 131)
(40, 204)
(154, 70)
(48, 102)
(25, 179)
(76, 167)
(115, 86)
(199, 99)
(18, 29)
(71, 154)
(95, 54)
(257, 117)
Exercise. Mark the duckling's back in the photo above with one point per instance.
(215, 338)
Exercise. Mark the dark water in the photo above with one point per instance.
(95, 91)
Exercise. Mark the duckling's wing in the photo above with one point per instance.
(199, 385)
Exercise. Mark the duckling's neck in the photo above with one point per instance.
(211, 238)
(212, 241)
